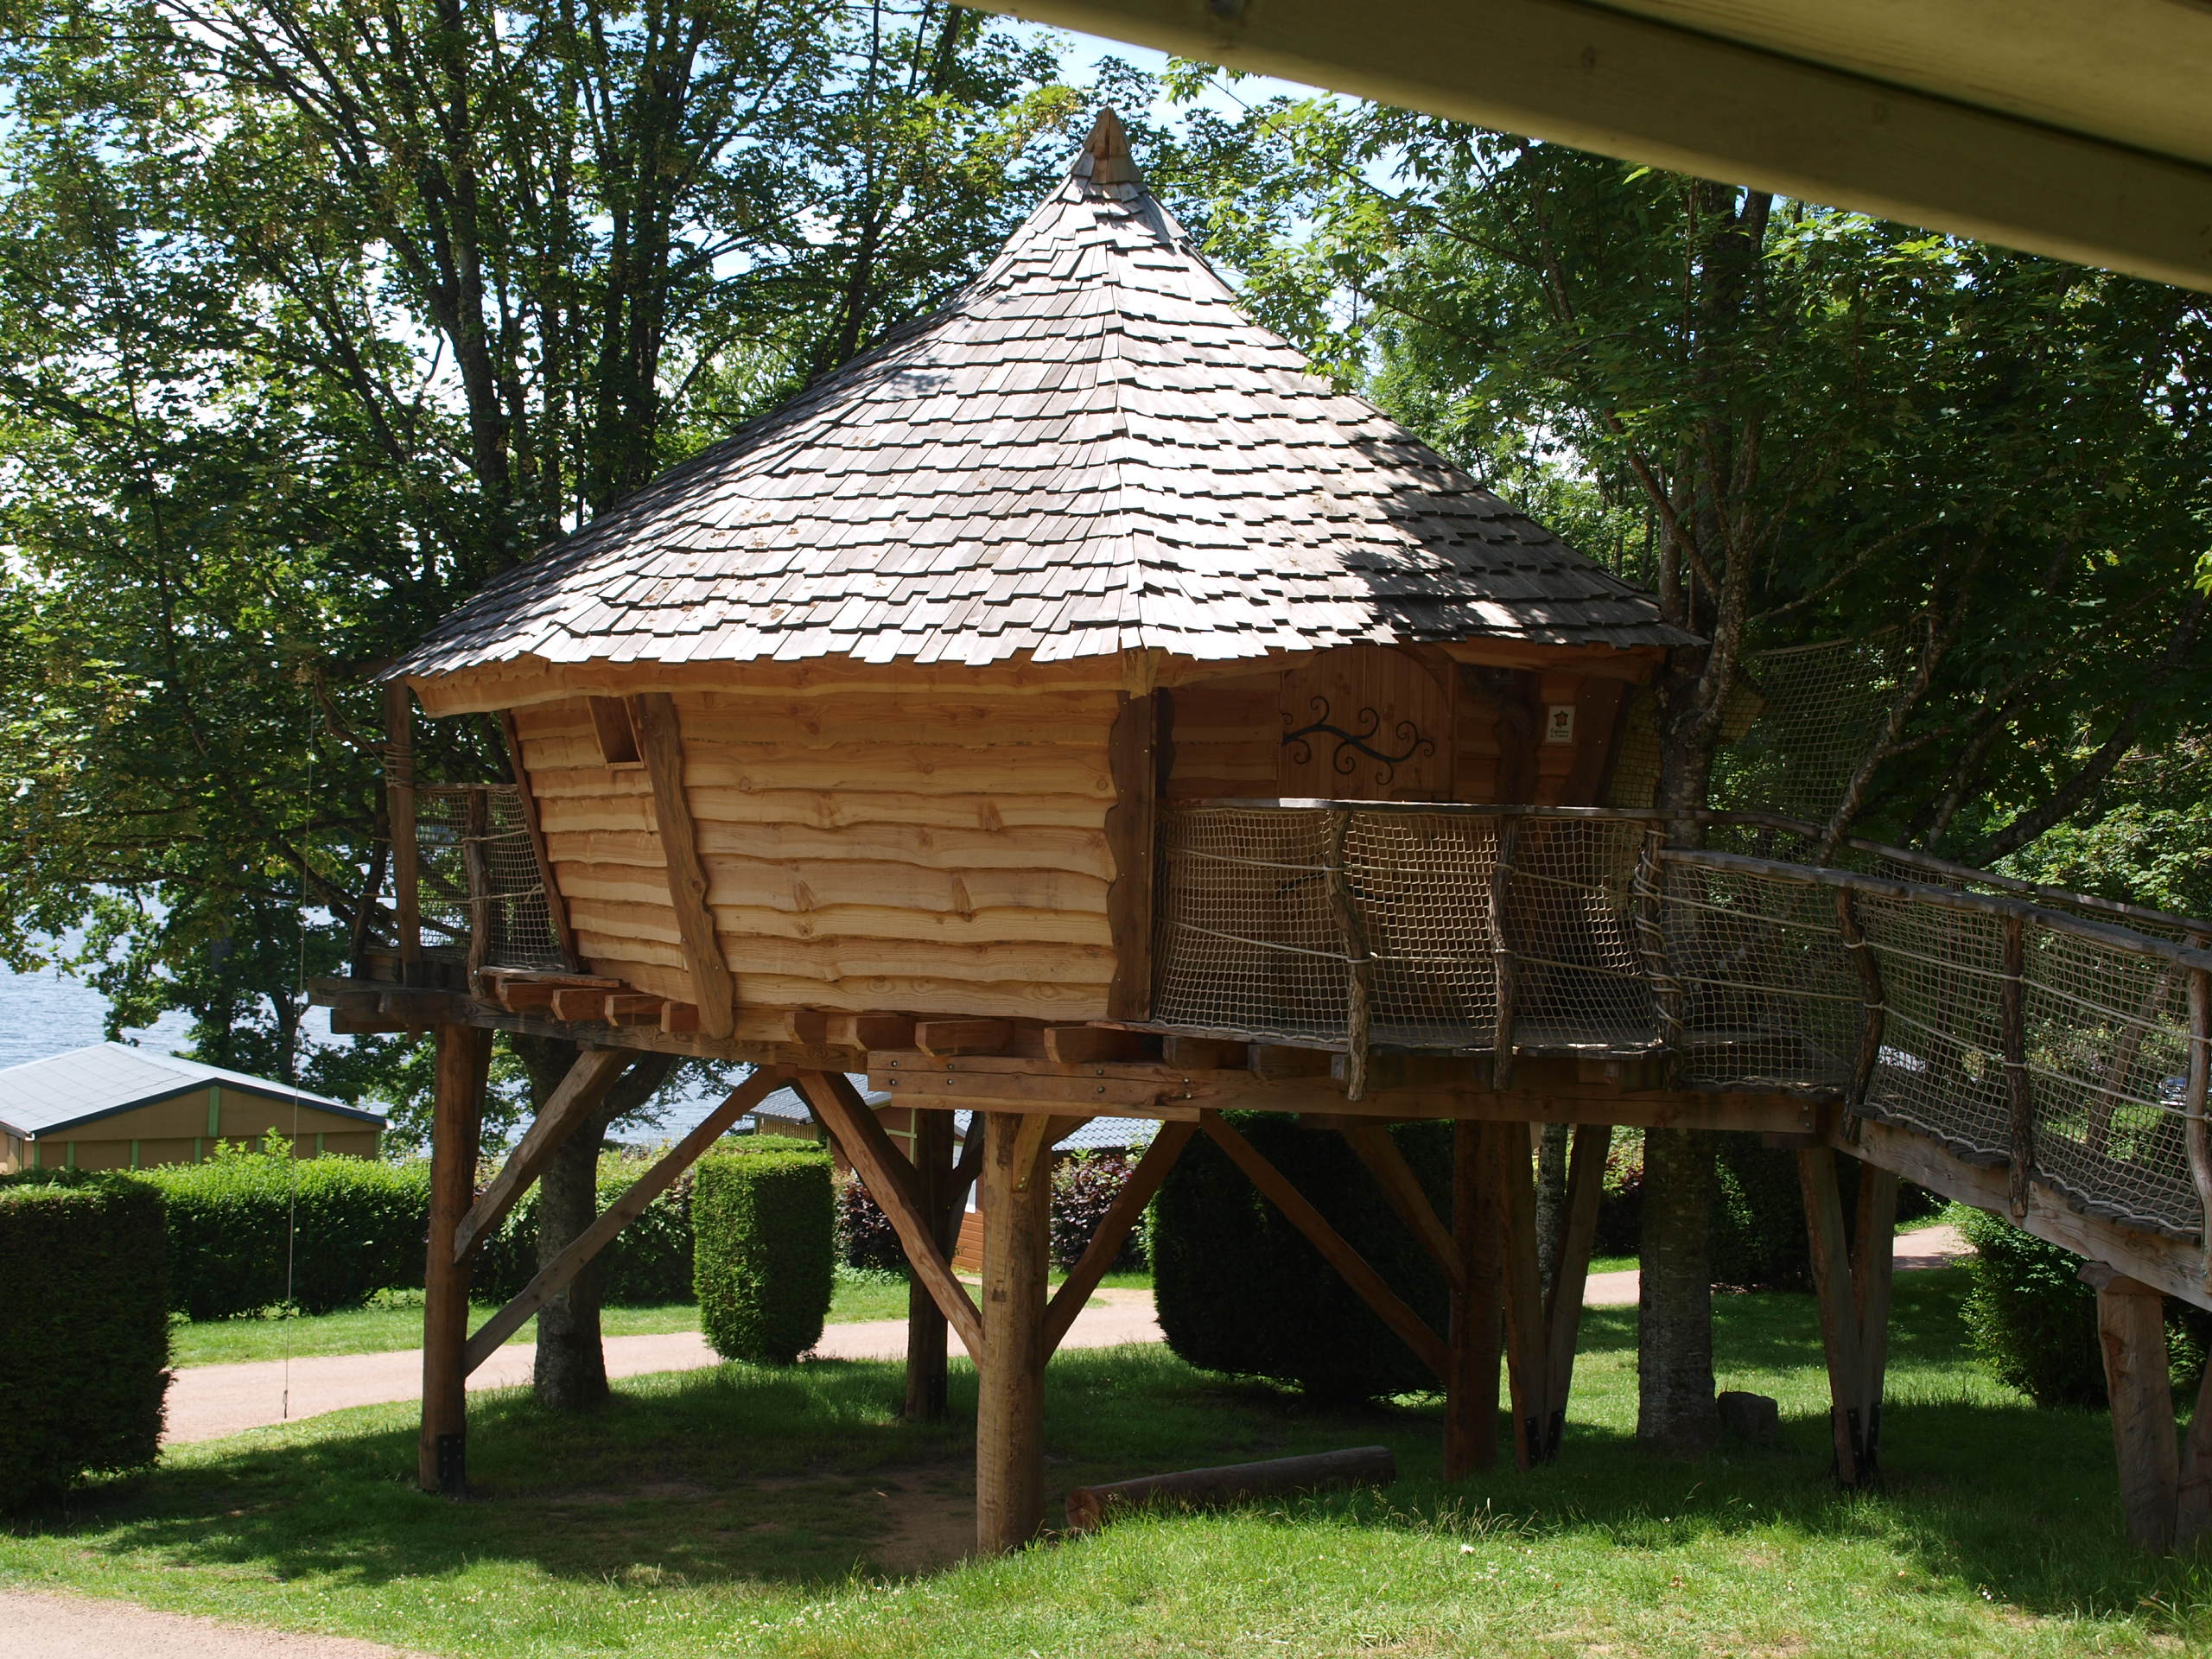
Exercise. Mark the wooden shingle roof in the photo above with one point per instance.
(1088, 450)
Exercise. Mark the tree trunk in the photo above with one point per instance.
(1551, 1199)
(1675, 1405)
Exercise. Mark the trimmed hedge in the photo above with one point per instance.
(83, 1332)
(1240, 1291)
(764, 1223)
(361, 1224)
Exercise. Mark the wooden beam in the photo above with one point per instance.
(1076, 1045)
(1873, 1270)
(556, 908)
(464, 1061)
(943, 1037)
(2020, 1088)
(1504, 971)
(2193, 1494)
(1370, 1285)
(1839, 1328)
(871, 1030)
(1585, 1187)
(2131, 1331)
(1272, 1062)
(2175, 1267)
(1527, 1349)
(1131, 836)
(1205, 1054)
(574, 1099)
(660, 744)
(889, 1179)
(1402, 1192)
(399, 813)
(557, 1274)
(1010, 1387)
(1470, 1381)
(632, 1008)
(1114, 1227)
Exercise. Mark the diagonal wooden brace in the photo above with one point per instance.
(1112, 1229)
(1370, 1285)
(555, 1275)
(578, 1094)
(1401, 1190)
(890, 1180)
(1585, 1182)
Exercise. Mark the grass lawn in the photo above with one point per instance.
(394, 1320)
(787, 1513)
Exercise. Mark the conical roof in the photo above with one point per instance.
(1088, 450)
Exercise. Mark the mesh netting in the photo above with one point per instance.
(1823, 708)
(471, 841)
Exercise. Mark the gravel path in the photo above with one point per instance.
(1925, 1247)
(209, 1402)
(42, 1625)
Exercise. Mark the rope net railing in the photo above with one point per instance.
(2020, 1035)
(480, 890)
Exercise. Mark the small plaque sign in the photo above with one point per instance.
(1558, 722)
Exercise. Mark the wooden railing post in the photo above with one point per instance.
(2019, 1090)
(475, 829)
(1652, 945)
(399, 809)
(1358, 971)
(1877, 1009)
(2197, 1134)
(1503, 967)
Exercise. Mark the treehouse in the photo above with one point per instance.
(1075, 707)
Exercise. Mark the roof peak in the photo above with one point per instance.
(1105, 157)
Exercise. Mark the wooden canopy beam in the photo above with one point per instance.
(556, 1276)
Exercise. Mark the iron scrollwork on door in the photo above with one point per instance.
(1351, 745)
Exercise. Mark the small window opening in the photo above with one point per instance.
(618, 736)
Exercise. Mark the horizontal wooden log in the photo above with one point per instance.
(1091, 1507)
(872, 1029)
(1085, 852)
(616, 862)
(943, 1037)
(967, 1089)
(1072, 1045)
(1206, 1053)
(875, 767)
(632, 1008)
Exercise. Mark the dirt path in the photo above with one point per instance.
(209, 1402)
(1926, 1247)
(40, 1625)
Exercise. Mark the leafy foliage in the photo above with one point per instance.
(763, 1269)
(83, 1332)
(1084, 1186)
(647, 1265)
(1239, 1289)
(867, 1241)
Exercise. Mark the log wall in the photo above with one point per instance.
(864, 850)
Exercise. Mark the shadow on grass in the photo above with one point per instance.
(803, 1477)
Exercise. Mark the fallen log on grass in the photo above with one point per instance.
(1091, 1507)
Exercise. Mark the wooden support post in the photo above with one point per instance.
(574, 1099)
(1112, 1229)
(1873, 1266)
(1010, 1407)
(1526, 1351)
(1839, 1318)
(464, 1060)
(2132, 1329)
(927, 1334)
(1586, 1186)
(2193, 1496)
(399, 809)
(660, 744)
(1471, 1373)
(2019, 1088)
(557, 1274)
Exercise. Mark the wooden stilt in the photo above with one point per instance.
(1585, 1184)
(1010, 1407)
(1471, 1372)
(1840, 1326)
(464, 1058)
(928, 1335)
(2193, 1497)
(1873, 1265)
(1526, 1351)
(2131, 1328)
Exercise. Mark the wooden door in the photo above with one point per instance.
(1368, 723)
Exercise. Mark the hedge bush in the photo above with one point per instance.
(361, 1226)
(1239, 1290)
(83, 1332)
(1084, 1186)
(764, 1222)
(648, 1264)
